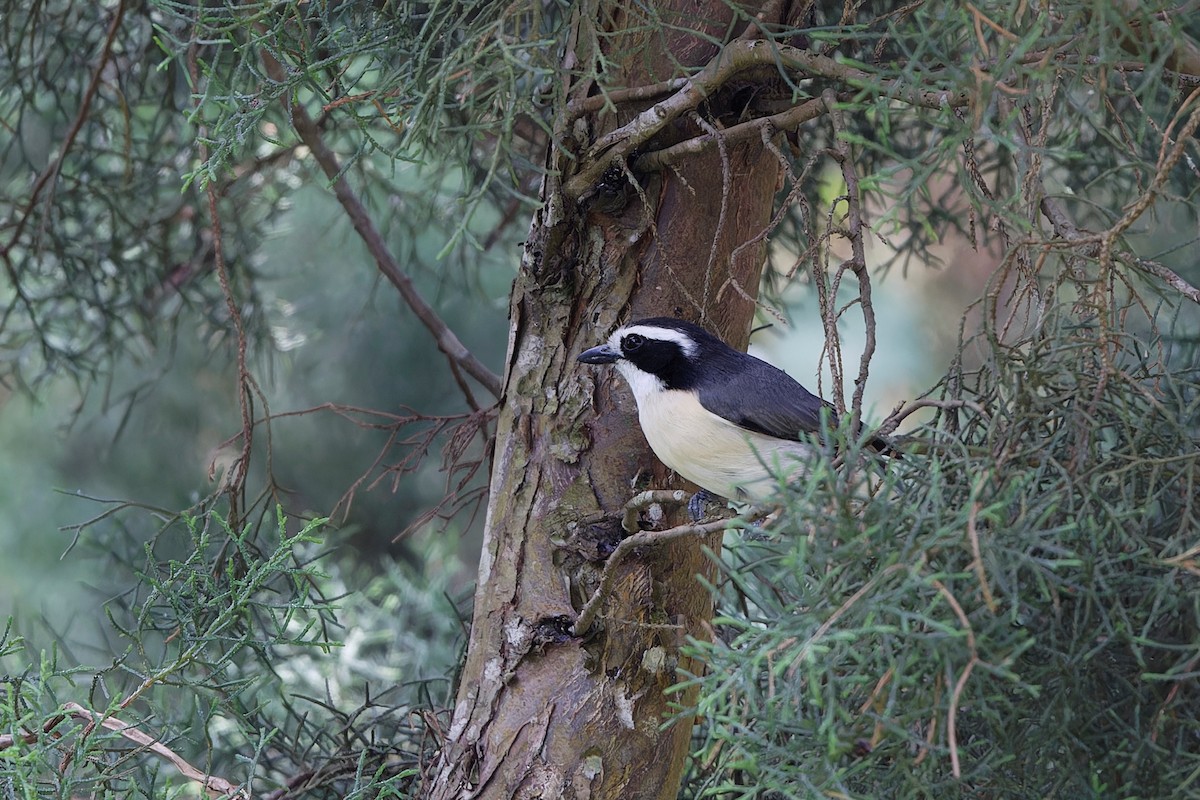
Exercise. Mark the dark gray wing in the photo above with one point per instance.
(758, 397)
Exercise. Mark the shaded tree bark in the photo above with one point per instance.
(540, 712)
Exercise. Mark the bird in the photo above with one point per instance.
(727, 421)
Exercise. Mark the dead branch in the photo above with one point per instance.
(803, 651)
(213, 785)
(903, 412)
(726, 178)
(85, 106)
(1167, 160)
(1184, 53)
(1102, 245)
(771, 14)
(961, 683)
(1169, 277)
(462, 427)
(609, 99)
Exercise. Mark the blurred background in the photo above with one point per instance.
(157, 431)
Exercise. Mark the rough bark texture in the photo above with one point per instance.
(541, 713)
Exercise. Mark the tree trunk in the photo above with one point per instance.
(541, 713)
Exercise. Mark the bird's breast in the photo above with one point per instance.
(713, 452)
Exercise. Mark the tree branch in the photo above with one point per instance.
(1184, 55)
(644, 539)
(310, 133)
(783, 121)
(902, 412)
(212, 784)
(234, 483)
(1169, 277)
(770, 15)
(648, 498)
(858, 261)
(1166, 162)
(588, 105)
(735, 58)
(1101, 245)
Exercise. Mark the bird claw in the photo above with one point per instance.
(696, 504)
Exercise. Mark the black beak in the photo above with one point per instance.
(603, 354)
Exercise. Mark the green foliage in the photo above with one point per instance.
(1078, 100)
(272, 672)
(100, 248)
(1013, 613)
(106, 233)
(414, 82)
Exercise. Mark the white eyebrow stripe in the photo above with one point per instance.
(685, 342)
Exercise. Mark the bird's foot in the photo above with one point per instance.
(696, 505)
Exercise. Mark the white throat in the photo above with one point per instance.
(641, 383)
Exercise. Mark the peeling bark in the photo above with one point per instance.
(539, 713)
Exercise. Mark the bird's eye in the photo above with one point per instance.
(632, 342)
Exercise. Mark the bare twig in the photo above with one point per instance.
(1089, 244)
(1169, 277)
(831, 348)
(982, 19)
(464, 427)
(644, 539)
(310, 133)
(463, 387)
(766, 134)
(1183, 54)
(235, 483)
(901, 413)
(212, 784)
(85, 106)
(976, 551)
(611, 98)
(1102, 245)
(961, 683)
(587, 105)
(858, 260)
(247, 386)
(726, 178)
(771, 14)
(1167, 160)
(824, 627)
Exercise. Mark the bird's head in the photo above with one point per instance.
(655, 354)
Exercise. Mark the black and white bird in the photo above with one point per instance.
(723, 419)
